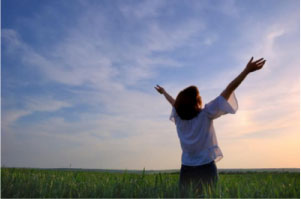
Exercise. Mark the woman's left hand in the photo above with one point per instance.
(255, 65)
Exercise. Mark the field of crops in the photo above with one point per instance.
(19, 183)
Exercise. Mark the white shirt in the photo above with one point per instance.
(197, 136)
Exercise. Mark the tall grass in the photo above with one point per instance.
(19, 183)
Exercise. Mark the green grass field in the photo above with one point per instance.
(29, 183)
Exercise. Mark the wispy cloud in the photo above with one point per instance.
(142, 9)
(31, 105)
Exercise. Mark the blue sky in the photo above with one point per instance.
(78, 78)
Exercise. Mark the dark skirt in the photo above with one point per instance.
(197, 177)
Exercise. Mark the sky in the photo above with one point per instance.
(78, 77)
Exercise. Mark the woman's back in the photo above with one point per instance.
(197, 135)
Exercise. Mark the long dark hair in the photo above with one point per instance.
(188, 103)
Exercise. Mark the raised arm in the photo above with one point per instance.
(251, 67)
(169, 98)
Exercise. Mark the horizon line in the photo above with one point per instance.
(126, 169)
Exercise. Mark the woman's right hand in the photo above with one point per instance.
(159, 89)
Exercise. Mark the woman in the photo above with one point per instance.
(195, 129)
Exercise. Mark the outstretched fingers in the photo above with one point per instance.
(255, 65)
(251, 60)
(258, 60)
(158, 87)
(260, 63)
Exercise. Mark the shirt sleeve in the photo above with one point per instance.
(220, 106)
(173, 115)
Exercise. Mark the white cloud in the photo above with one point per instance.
(11, 116)
(87, 57)
(162, 39)
(31, 105)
